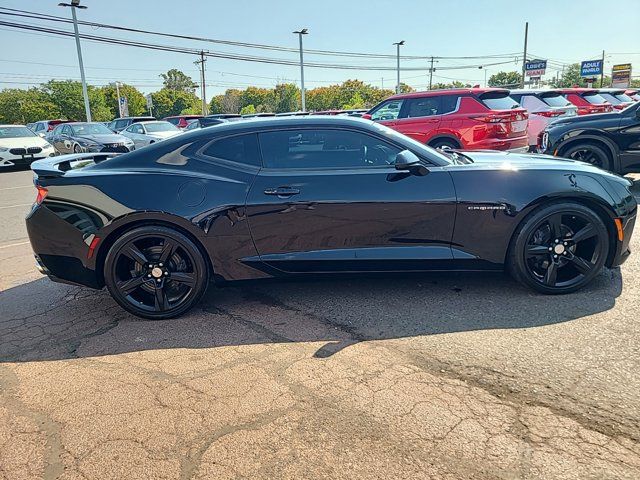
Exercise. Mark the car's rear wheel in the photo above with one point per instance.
(589, 153)
(155, 272)
(559, 248)
(77, 148)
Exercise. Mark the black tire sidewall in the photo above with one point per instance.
(200, 267)
(444, 143)
(599, 151)
(517, 261)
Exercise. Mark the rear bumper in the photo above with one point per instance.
(60, 249)
(516, 144)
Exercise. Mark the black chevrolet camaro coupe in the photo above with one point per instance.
(311, 196)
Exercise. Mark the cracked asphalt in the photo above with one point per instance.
(443, 377)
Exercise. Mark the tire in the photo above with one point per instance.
(77, 148)
(590, 153)
(572, 262)
(443, 142)
(155, 272)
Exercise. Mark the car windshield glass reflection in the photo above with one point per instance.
(16, 132)
(90, 129)
(161, 127)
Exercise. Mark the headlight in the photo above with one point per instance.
(85, 143)
(2, 149)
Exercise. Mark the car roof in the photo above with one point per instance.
(154, 121)
(447, 91)
(611, 90)
(578, 90)
(11, 125)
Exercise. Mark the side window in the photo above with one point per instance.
(517, 97)
(388, 110)
(39, 127)
(173, 121)
(121, 124)
(423, 107)
(66, 130)
(449, 103)
(324, 149)
(239, 149)
(137, 128)
(57, 130)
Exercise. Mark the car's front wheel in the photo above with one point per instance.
(155, 272)
(559, 248)
(589, 153)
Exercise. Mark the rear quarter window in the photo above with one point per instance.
(554, 100)
(498, 101)
(594, 98)
(239, 149)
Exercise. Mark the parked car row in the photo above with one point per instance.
(490, 118)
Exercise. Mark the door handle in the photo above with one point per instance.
(282, 191)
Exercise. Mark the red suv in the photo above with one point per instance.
(181, 121)
(588, 100)
(468, 118)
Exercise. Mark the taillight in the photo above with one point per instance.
(490, 118)
(551, 113)
(42, 193)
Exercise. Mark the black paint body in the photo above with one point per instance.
(457, 216)
(618, 133)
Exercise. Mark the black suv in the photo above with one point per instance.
(607, 140)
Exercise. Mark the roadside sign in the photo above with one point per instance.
(124, 107)
(621, 75)
(535, 68)
(149, 101)
(591, 68)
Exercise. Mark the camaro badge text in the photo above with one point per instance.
(486, 207)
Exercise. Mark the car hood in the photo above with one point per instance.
(495, 160)
(24, 142)
(103, 138)
(163, 134)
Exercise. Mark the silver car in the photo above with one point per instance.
(146, 133)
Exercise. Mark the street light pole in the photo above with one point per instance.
(304, 31)
(398, 44)
(524, 56)
(118, 94)
(203, 90)
(76, 4)
(430, 74)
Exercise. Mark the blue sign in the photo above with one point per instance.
(591, 68)
(535, 68)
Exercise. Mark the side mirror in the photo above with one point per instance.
(407, 161)
(366, 116)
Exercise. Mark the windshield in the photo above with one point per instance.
(594, 98)
(416, 146)
(90, 129)
(16, 132)
(555, 100)
(160, 127)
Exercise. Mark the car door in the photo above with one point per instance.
(420, 117)
(332, 200)
(136, 133)
(628, 136)
(62, 138)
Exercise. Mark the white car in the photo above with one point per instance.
(544, 106)
(20, 146)
(146, 133)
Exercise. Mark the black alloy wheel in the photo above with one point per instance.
(444, 144)
(589, 153)
(560, 248)
(155, 272)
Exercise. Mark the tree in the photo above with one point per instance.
(285, 97)
(135, 99)
(167, 102)
(247, 110)
(231, 101)
(176, 80)
(255, 96)
(67, 96)
(505, 79)
(26, 106)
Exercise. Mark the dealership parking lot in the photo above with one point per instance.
(454, 376)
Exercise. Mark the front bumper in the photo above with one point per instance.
(623, 250)
(9, 160)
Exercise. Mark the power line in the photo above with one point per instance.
(55, 18)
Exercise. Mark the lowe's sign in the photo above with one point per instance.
(535, 68)
(591, 68)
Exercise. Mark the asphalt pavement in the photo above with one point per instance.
(437, 376)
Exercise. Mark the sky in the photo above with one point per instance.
(562, 31)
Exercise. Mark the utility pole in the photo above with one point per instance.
(431, 74)
(398, 44)
(76, 4)
(304, 31)
(118, 94)
(203, 88)
(602, 71)
(524, 56)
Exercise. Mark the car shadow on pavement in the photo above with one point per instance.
(42, 320)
